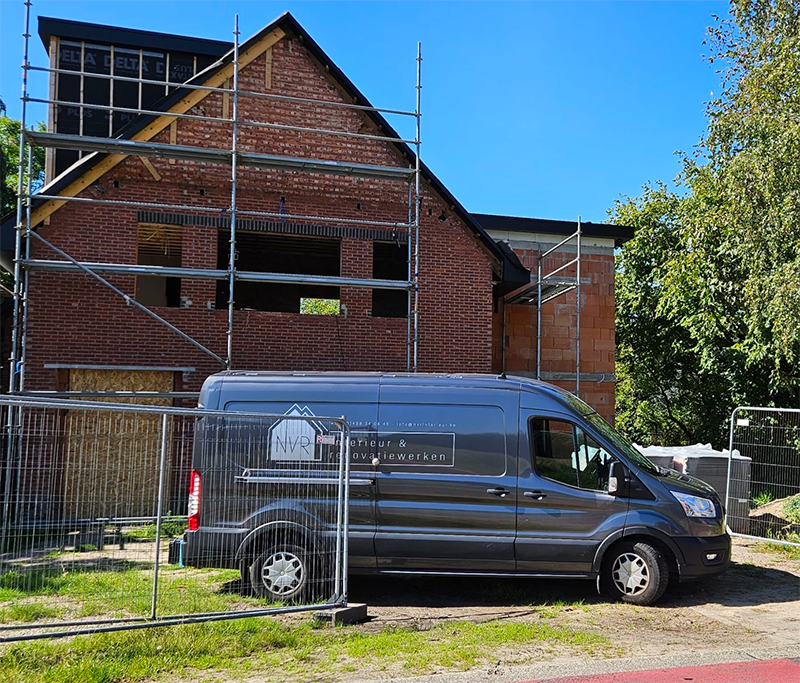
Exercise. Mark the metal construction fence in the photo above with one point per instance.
(763, 492)
(121, 516)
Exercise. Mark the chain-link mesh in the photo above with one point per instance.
(120, 516)
(763, 497)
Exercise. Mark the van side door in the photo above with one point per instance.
(564, 511)
(446, 484)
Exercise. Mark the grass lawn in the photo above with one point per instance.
(272, 649)
(791, 552)
(269, 647)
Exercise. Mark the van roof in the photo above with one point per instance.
(483, 380)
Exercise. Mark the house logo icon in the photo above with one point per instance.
(295, 440)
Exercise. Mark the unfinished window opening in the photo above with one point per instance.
(389, 262)
(320, 306)
(159, 245)
(264, 253)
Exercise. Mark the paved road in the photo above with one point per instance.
(773, 664)
(759, 671)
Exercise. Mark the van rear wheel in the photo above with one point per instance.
(636, 572)
(280, 573)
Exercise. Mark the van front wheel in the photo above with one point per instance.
(636, 572)
(280, 573)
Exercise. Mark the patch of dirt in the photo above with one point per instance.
(757, 601)
(772, 516)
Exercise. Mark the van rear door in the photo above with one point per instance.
(446, 482)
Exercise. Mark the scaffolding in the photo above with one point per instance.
(548, 286)
(236, 158)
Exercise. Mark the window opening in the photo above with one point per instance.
(159, 245)
(320, 306)
(389, 262)
(265, 253)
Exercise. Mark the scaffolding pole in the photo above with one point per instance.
(236, 157)
(410, 276)
(559, 286)
(25, 278)
(17, 366)
(539, 318)
(234, 166)
(578, 314)
(417, 207)
(14, 367)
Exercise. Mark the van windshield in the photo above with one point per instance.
(620, 442)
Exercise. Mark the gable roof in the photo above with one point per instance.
(128, 37)
(287, 25)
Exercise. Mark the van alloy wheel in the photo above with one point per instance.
(282, 573)
(630, 574)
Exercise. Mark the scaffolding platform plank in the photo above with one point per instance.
(213, 274)
(217, 156)
(527, 295)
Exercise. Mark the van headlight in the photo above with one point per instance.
(695, 506)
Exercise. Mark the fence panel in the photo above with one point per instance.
(126, 516)
(763, 492)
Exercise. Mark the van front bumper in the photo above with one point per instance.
(704, 556)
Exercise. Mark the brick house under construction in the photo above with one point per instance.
(477, 273)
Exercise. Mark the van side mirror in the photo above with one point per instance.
(618, 480)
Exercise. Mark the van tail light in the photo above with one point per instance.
(194, 500)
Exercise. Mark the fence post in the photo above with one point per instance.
(340, 503)
(346, 495)
(730, 469)
(159, 512)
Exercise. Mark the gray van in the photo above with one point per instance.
(496, 476)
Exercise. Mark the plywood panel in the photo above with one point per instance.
(111, 458)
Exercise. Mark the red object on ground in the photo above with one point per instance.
(755, 671)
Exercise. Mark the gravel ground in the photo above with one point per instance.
(755, 603)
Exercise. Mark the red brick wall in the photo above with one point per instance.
(76, 320)
(558, 343)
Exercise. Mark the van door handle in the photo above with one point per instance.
(536, 495)
(499, 492)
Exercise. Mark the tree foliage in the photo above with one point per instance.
(709, 289)
(9, 163)
(320, 306)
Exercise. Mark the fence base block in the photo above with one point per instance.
(354, 613)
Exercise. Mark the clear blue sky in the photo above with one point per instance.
(546, 109)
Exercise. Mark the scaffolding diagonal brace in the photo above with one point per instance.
(128, 299)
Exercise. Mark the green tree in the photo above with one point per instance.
(709, 289)
(9, 162)
(9, 171)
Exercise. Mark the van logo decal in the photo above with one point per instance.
(295, 440)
